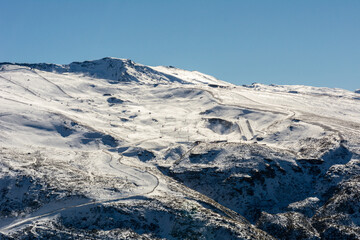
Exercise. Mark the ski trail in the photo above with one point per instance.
(250, 128)
(12, 100)
(26, 89)
(55, 85)
(304, 116)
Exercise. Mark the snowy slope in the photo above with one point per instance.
(119, 149)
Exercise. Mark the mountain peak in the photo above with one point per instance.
(125, 70)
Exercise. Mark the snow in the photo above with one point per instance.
(97, 129)
(191, 76)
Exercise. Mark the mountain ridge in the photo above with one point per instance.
(117, 69)
(161, 152)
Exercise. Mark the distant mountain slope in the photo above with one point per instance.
(112, 149)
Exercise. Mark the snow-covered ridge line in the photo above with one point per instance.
(124, 70)
(302, 89)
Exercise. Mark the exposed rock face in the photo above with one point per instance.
(339, 217)
(290, 225)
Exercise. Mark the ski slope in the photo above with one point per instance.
(111, 132)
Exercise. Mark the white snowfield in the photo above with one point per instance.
(94, 132)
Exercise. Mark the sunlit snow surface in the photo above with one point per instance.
(94, 135)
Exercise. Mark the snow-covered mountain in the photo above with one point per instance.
(112, 149)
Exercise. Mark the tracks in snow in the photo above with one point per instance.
(19, 223)
(291, 114)
(55, 85)
(153, 171)
(25, 88)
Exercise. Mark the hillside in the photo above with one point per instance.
(112, 149)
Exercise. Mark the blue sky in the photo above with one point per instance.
(308, 42)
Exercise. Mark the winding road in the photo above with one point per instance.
(8, 225)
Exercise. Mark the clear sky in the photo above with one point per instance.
(308, 42)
